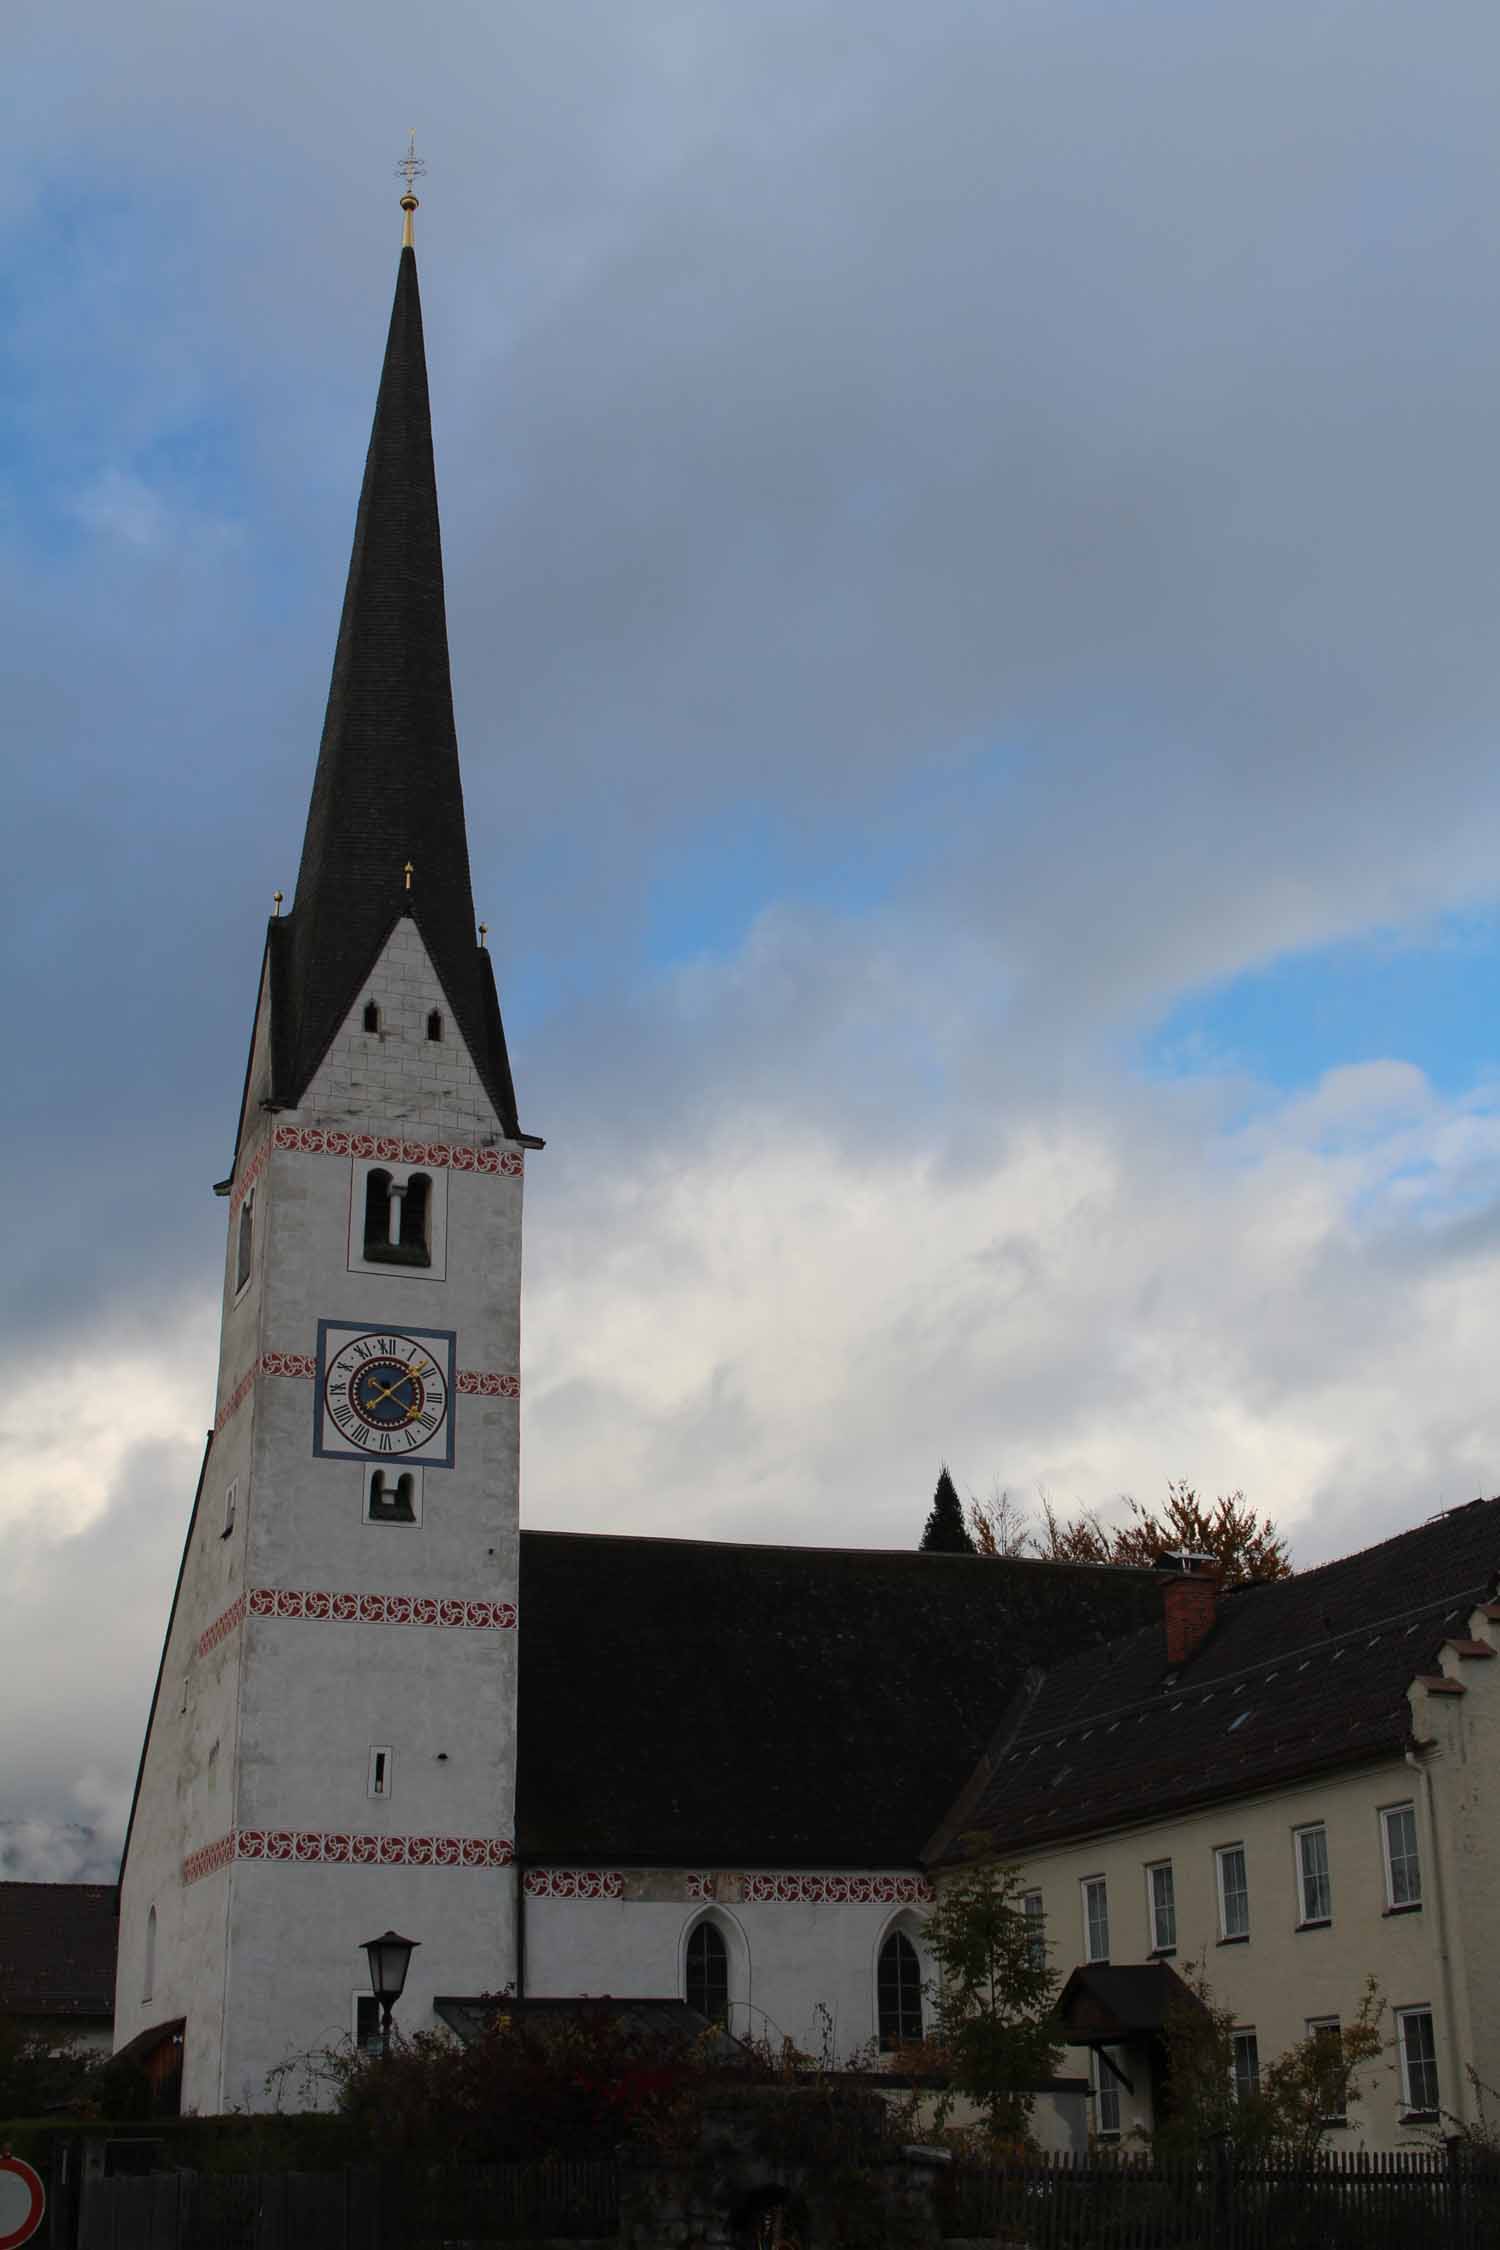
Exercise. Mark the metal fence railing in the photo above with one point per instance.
(1415, 2199)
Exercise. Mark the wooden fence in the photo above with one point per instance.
(1409, 2200)
(405, 2208)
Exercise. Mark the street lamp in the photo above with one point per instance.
(389, 1958)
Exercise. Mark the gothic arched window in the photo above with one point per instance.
(245, 1243)
(398, 1213)
(898, 1992)
(415, 1204)
(707, 1978)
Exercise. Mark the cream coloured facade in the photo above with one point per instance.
(1288, 1896)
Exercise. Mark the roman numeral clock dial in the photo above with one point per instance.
(384, 1394)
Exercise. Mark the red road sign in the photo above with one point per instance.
(23, 2202)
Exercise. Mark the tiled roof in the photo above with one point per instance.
(387, 788)
(685, 1704)
(57, 1949)
(1297, 1676)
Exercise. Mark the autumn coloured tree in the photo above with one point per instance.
(1248, 1548)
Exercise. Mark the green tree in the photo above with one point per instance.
(946, 1532)
(992, 1998)
(1318, 2079)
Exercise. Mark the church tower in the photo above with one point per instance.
(331, 1749)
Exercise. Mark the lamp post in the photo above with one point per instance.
(390, 1957)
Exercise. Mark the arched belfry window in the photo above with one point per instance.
(435, 1024)
(898, 1992)
(372, 1016)
(245, 1242)
(398, 1216)
(706, 1976)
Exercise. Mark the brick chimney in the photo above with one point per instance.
(1190, 1596)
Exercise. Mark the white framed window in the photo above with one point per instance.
(1328, 2042)
(1095, 1918)
(366, 2023)
(1314, 1884)
(1106, 2090)
(1403, 1866)
(1036, 1928)
(391, 1495)
(231, 1503)
(1246, 2049)
(379, 1783)
(1234, 1891)
(1161, 1907)
(1416, 2047)
(398, 1219)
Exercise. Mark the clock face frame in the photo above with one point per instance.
(384, 1394)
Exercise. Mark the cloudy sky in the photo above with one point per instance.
(971, 562)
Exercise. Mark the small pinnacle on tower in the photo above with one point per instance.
(410, 168)
(408, 871)
(484, 931)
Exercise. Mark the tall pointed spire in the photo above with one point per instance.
(387, 796)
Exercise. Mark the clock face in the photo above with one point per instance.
(385, 1393)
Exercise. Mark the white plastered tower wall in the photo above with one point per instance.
(259, 1950)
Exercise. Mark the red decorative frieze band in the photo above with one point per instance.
(316, 1847)
(816, 1890)
(339, 1850)
(475, 1381)
(574, 1882)
(209, 1860)
(222, 1627)
(484, 1385)
(381, 1609)
(301, 1364)
(248, 1177)
(317, 1140)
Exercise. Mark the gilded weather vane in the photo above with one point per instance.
(411, 167)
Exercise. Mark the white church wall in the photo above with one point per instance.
(801, 1968)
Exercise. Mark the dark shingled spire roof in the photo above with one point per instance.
(387, 788)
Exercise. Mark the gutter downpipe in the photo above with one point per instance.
(1457, 2081)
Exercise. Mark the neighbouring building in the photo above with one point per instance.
(565, 1765)
(57, 1961)
(1293, 1785)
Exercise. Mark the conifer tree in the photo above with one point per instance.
(946, 1533)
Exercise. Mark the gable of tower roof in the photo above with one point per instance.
(1300, 1676)
(387, 791)
(683, 1701)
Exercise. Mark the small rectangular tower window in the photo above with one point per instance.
(380, 1773)
(435, 1023)
(392, 1495)
(231, 1500)
(372, 1016)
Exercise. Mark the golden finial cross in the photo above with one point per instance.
(407, 872)
(484, 931)
(277, 896)
(410, 168)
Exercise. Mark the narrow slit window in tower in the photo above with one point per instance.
(435, 1024)
(372, 1016)
(245, 1243)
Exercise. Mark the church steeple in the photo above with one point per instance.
(387, 791)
